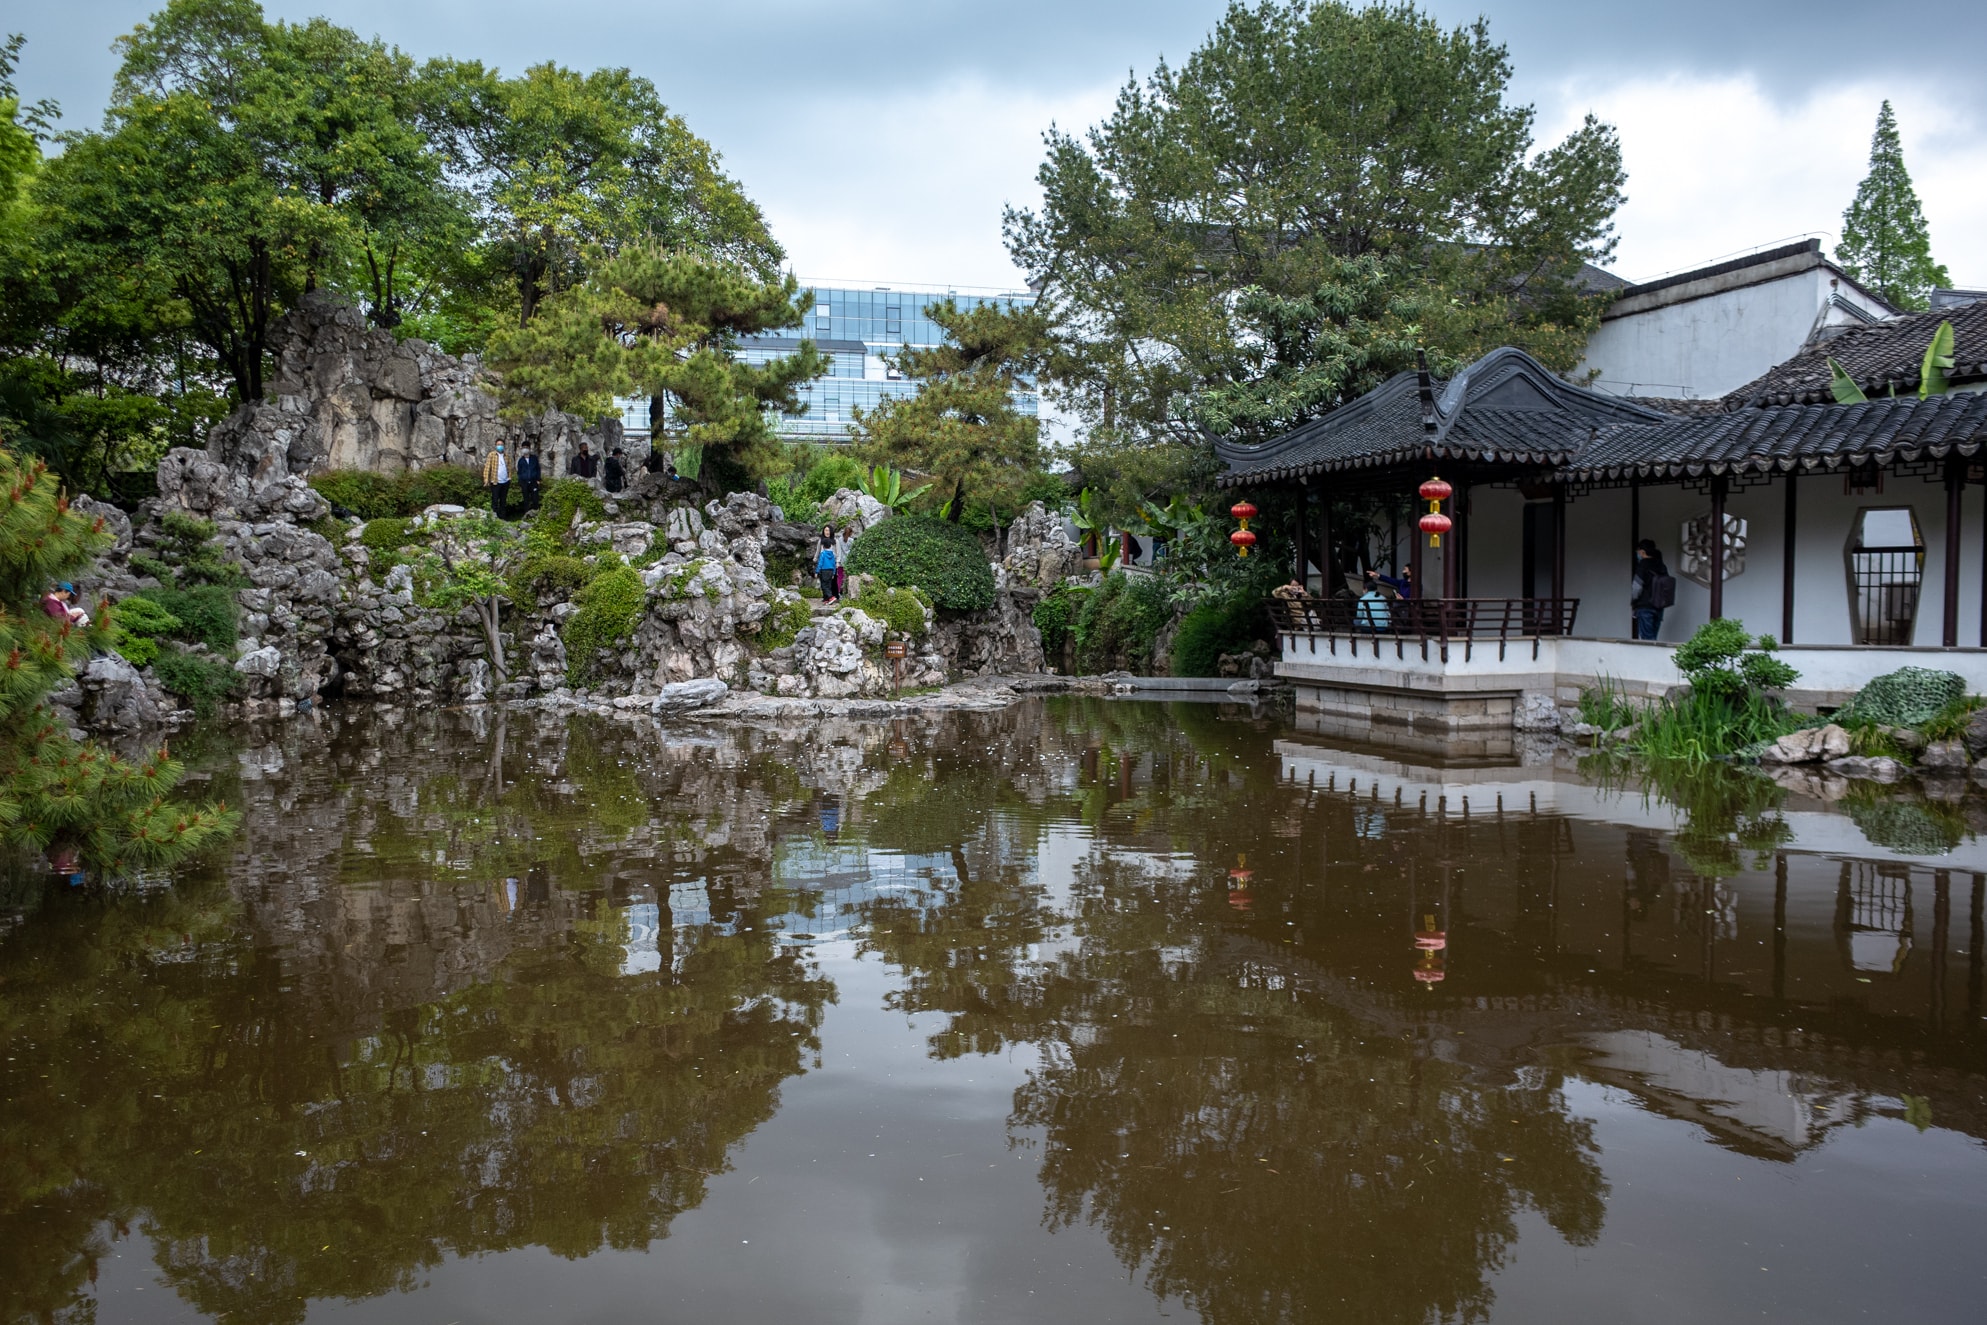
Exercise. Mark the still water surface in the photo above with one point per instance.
(1083, 1011)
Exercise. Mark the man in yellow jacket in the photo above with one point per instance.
(497, 478)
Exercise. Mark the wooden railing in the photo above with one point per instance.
(1350, 623)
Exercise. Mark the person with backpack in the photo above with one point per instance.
(1654, 591)
(529, 475)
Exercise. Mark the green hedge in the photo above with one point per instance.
(902, 610)
(1215, 627)
(916, 551)
(206, 614)
(372, 496)
(196, 678)
(564, 496)
(1119, 625)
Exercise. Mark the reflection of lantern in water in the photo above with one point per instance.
(1431, 934)
(1239, 879)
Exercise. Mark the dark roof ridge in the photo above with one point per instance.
(1758, 259)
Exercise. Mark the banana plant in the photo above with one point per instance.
(1932, 379)
(886, 485)
(1087, 521)
(1172, 520)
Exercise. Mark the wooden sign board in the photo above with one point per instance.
(894, 649)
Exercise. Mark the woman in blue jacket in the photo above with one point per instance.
(825, 565)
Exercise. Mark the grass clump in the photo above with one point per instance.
(788, 617)
(940, 558)
(1953, 718)
(1607, 706)
(610, 608)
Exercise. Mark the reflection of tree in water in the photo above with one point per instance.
(284, 1133)
(1261, 1151)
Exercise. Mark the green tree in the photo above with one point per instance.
(1300, 137)
(1885, 243)
(565, 167)
(59, 795)
(962, 426)
(666, 323)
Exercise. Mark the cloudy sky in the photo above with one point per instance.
(884, 136)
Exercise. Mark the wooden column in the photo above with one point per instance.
(1325, 586)
(1719, 485)
(1787, 566)
(1303, 553)
(1634, 540)
(1462, 540)
(1558, 552)
(1451, 544)
(1415, 540)
(1955, 486)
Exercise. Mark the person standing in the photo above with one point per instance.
(1654, 590)
(827, 566)
(497, 478)
(529, 476)
(844, 540)
(617, 472)
(581, 463)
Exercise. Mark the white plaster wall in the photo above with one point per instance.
(1496, 543)
(1703, 348)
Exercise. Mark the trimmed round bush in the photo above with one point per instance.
(899, 609)
(561, 498)
(940, 558)
(385, 534)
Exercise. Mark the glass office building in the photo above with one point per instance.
(855, 327)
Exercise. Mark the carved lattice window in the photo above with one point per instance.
(1694, 548)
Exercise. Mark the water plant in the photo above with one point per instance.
(1726, 706)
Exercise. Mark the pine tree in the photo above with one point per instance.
(71, 799)
(1885, 243)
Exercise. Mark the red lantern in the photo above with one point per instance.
(1242, 538)
(1239, 880)
(1436, 490)
(1435, 524)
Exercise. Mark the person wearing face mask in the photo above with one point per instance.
(497, 479)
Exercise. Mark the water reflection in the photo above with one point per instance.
(1299, 1031)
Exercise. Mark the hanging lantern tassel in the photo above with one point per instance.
(1435, 524)
(1242, 539)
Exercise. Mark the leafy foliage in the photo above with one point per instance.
(902, 610)
(787, 616)
(1120, 623)
(200, 679)
(1726, 708)
(886, 485)
(57, 794)
(555, 576)
(206, 615)
(1264, 229)
(1055, 616)
(560, 499)
(374, 496)
(944, 561)
(1914, 826)
(190, 556)
(1722, 659)
(1885, 242)
(610, 609)
(137, 625)
(1215, 627)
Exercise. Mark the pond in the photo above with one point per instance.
(1081, 1011)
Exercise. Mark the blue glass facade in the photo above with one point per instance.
(855, 328)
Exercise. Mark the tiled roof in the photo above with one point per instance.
(1789, 437)
(1879, 357)
(1506, 409)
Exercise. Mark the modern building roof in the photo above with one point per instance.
(1881, 358)
(1509, 410)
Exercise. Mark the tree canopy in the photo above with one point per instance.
(1885, 242)
(1299, 138)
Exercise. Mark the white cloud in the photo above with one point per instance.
(1717, 165)
(907, 188)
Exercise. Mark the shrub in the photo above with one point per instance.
(561, 498)
(916, 551)
(1055, 616)
(1953, 718)
(610, 608)
(828, 475)
(541, 576)
(902, 610)
(1726, 708)
(195, 678)
(1217, 626)
(386, 534)
(781, 567)
(372, 496)
(1907, 697)
(788, 617)
(1120, 623)
(206, 614)
(189, 556)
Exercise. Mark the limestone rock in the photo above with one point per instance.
(849, 507)
(1948, 756)
(686, 695)
(1040, 552)
(114, 697)
(1537, 712)
(1808, 745)
(263, 662)
(1877, 768)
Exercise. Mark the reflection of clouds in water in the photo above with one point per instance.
(1369, 823)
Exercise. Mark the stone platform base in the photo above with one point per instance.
(1430, 709)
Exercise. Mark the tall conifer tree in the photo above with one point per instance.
(1885, 243)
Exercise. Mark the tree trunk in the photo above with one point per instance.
(490, 609)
